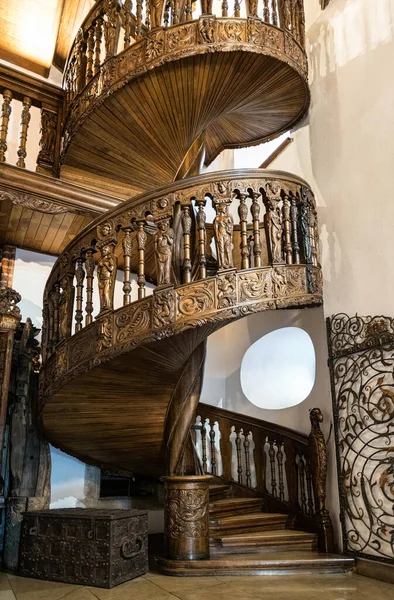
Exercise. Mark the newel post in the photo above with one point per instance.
(186, 517)
(318, 460)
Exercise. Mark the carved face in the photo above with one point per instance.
(163, 226)
(105, 229)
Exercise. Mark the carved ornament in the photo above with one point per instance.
(34, 203)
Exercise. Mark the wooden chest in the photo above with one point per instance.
(101, 548)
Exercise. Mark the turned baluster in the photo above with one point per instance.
(301, 474)
(89, 268)
(279, 458)
(141, 243)
(312, 235)
(212, 435)
(80, 276)
(5, 118)
(98, 30)
(255, 210)
(271, 454)
(243, 214)
(224, 8)
(55, 300)
(175, 12)
(274, 5)
(237, 8)
(248, 472)
(201, 219)
(309, 487)
(127, 8)
(166, 16)
(186, 227)
(45, 330)
(138, 23)
(25, 120)
(89, 54)
(294, 230)
(238, 442)
(50, 322)
(273, 222)
(188, 10)
(147, 14)
(287, 229)
(204, 448)
(126, 244)
(304, 226)
(266, 11)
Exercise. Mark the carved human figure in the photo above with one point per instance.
(318, 453)
(156, 13)
(252, 8)
(223, 227)
(207, 31)
(111, 26)
(206, 7)
(305, 230)
(105, 275)
(163, 240)
(273, 220)
(48, 136)
(287, 14)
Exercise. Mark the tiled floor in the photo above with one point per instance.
(159, 587)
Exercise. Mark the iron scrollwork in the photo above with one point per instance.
(361, 351)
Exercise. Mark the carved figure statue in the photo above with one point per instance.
(106, 268)
(287, 14)
(111, 27)
(207, 31)
(273, 220)
(206, 7)
(223, 227)
(48, 135)
(156, 13)
(163, 240)
(252, 8)
(318, 451)
(305, 231)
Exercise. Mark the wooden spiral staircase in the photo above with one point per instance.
(121, 379)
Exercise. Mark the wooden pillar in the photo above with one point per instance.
(186, 539)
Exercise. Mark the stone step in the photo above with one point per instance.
(263, 542)
(275, 563)
(250, 522)
(234, 506)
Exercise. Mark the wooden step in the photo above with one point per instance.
(264, 541)
(234, 506)
(219, 491)
(251, 522)
(279, 563)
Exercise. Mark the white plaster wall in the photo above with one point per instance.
(346, 151)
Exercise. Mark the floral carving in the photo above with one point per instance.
(187, 513)
(279, 284)
(154, 45)
(295, 279)
(255, 286)
(180, 37)
(196, 299)
(34, 203)
(133, 321)
(231, 30)
(9, 299)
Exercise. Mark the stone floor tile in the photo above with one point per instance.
(138, 589)
(7, 595)
(174, 584)
(4, 583)
(223, 591)
(37, 589)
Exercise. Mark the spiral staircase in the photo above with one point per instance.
(151, 97)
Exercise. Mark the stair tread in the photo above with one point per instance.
(259, 516)
(283, 557)
(227, 501)
(264, 535)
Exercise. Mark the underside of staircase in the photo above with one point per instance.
(245, 539)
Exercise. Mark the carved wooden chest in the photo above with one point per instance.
(94, 547)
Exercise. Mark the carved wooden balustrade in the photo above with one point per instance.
(112, 26)
(261, 246)
(285, 467)
(17, 87)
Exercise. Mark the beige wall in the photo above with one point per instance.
(346, 151)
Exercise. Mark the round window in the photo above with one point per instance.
(278, 371)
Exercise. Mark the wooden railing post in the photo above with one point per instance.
(25, 120)
(47, 155)
(5, 118)
(318, 459)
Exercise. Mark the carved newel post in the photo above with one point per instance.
(186, 517)
(318, 458)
